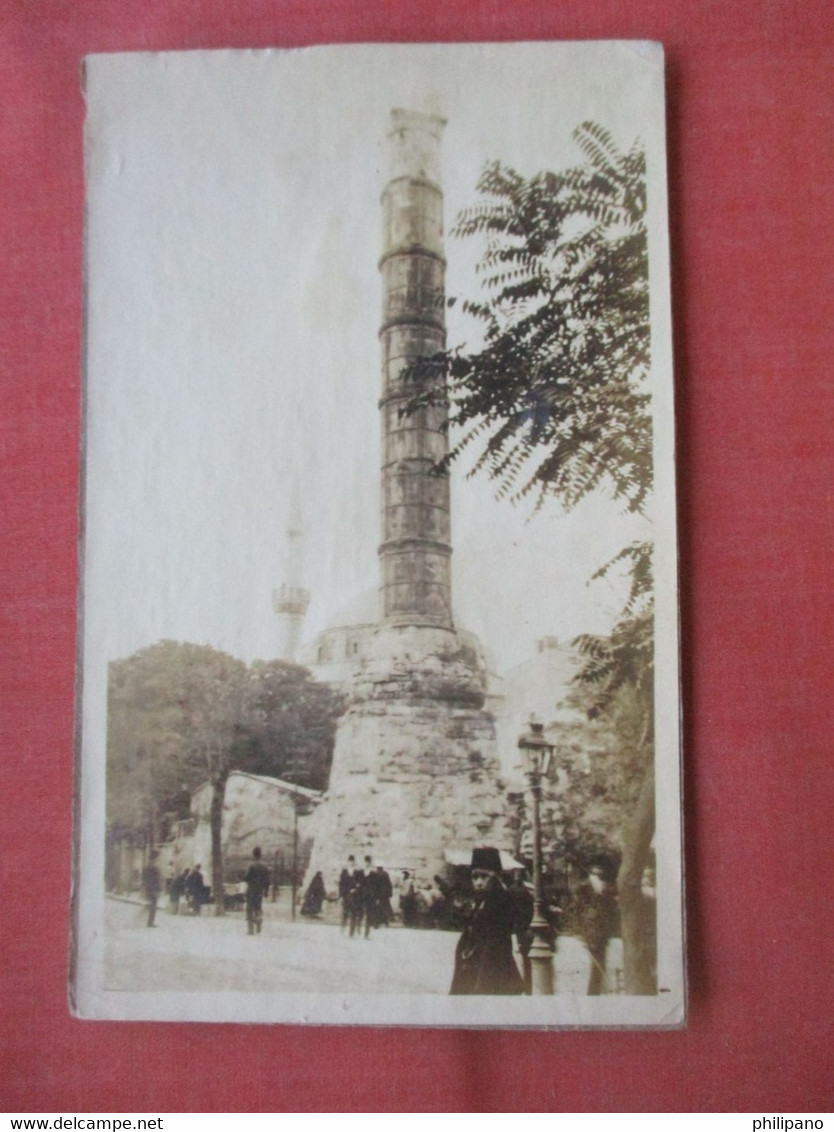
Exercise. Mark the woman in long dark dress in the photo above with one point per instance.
(314, 897)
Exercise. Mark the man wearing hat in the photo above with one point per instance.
(346, 887)
(597, 903)
(152, 885)
(484, 961)
(257, 886)
(376, 891)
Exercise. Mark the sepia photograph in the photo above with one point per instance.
(379, 703)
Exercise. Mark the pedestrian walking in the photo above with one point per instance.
(385, 913)
(484, 962)
(151, 886)
(356, 901)
(177, 891)
(345, 889)
(408, 900)
(257, 886)
(597, 905)
(524, 905)
(194, 889)
(370, 897)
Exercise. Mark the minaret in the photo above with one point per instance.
(416, 538)
(290, 600)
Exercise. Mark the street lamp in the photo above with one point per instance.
(537, 753)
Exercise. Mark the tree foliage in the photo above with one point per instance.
(183, 714)
(290, 723)
(597, 778)
(555, 395)
(173, 722)
(554, 400)
(626, 657)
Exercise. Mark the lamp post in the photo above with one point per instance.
(296, 806)
(537, 753)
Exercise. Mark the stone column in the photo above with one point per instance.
(415, 771)
(416, 536)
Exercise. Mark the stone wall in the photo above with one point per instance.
(415, 770)
(257, 810)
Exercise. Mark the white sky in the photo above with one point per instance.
(233, 308)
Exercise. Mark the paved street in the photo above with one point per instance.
(199, 953)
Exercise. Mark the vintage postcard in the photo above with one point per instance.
(379, 705)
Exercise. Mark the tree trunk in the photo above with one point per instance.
(218, 796)
(638, 918)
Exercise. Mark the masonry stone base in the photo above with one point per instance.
(415, 770)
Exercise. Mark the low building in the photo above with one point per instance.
(257, 811)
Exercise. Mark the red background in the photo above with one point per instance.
(750, 147)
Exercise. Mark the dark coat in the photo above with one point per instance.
(597, 915)
(355, 895)
(194, 884)
(523, 907)
(484, 962)
(374, 888)
(257, 880)
(314, 897)
(151, 881)
(385, 886)
(351, 891)
(177, 889)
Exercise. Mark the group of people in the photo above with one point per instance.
(495, 913)
(187, 885)
(190, 887)
(490, 912)
(365, 894)
(427, 904)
